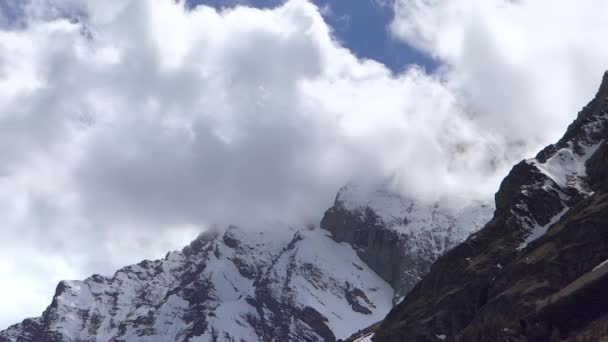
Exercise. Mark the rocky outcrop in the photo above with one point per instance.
(264, 285)
(536, 271)
(241, 285)
(397, 237)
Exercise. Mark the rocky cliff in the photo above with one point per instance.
(538, 270)
(398, 237)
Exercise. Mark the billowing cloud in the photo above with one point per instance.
(126, 127)
(524, 68)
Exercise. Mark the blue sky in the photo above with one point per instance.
(360, 25)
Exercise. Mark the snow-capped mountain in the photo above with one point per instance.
(537, 271)
(272, 284)
(398, 237)
(242, 285)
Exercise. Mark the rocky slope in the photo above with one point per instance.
(242, 285)
(538, 270)
(397, 237)
(274, 284)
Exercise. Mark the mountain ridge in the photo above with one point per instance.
(516, 279)
(273, 282)
(222, 287)
(397, 237)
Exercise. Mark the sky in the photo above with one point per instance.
(361, 26)
(128, 127)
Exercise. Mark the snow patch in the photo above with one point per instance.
(365, 338)
(566, 168)
(537, 231)
(442, 222)
(602, 264)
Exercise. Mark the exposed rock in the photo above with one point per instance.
(534, 272)
(398, 238)
(256, 285)
(243, 285)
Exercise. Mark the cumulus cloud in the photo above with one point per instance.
(524, 68)
(126, 127)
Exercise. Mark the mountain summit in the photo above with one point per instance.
(240, 285)
(538, 270)
(265, 284)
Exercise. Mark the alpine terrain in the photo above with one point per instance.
(269, 284)
(538, 271)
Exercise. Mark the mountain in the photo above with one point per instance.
(398, 237)
(536, 271)
(242, 285)
(271, 284)
(539, 269)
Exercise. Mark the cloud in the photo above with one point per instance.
(126, 127)
(523, 68)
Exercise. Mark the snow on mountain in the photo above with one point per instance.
(531, 273)
(265, 284)
(243, 285)
(563, 169)
(397, 237)
(567, 167)
(447, 220)
(366, 338)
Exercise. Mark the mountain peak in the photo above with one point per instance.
(398, 237)
(528, 274)
(244, 284)
(263, 284)
(588, 128)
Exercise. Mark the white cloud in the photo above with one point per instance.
(124, 132)
(524, 68)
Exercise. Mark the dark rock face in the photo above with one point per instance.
(397, 238)
(318, 323)
(534, 272)
(242, 285)
(380, 248)
(598, 167)
(354, 296)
